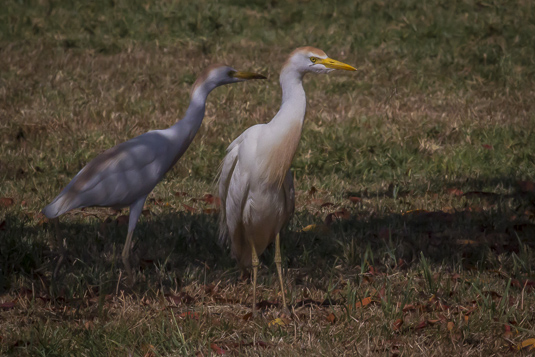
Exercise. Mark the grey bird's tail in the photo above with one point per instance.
(60, 205)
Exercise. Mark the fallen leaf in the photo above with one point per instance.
(355, 199)
(366, 301)
(421, 325)
(487, 146)
(247, 316)
(178, 194)
(320, 228)
(397, 324)
(466, 242)
(189, 208)
(331, 318)
(450, 325)
(455, 192)
(208, 198)
(6, 201)
(530, 342)
(312, 190)
(210, 211)
(409, 307)
(189, 315)
(372, 270)
(278, 321)
(7, 305)
(342, 214)
(507, 333)
(217, 350)
(309, 228)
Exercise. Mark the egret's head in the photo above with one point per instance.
(310, 59)
(217, 75)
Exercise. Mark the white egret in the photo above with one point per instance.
(125, 174)
(256, 185)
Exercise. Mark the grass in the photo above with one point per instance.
(432, 139)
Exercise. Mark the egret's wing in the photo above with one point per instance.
(289, 195)
(117, 177)
(227, 170)
(233, 186)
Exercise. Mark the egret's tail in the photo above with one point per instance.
(60, 205)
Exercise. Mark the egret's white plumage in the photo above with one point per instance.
(256, 185)
(125, 174)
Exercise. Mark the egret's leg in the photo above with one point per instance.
(255, 263)
(60, 246)
(278, 261)
(135, 212)
(126, 257)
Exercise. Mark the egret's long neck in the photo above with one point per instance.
(284, 130)
(185, 130)
(294, 104)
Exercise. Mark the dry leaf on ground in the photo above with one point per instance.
(217, 350)
(331, 318)
(364, 302)
(6, 201)
(278, 321)
(528, 344)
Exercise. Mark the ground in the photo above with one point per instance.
(415, 221)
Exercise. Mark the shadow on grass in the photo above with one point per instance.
(174, 249)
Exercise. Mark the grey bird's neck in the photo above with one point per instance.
(184, 131)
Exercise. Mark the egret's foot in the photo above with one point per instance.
(130, 278)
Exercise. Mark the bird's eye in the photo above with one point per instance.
(231, 73)
(313, 59)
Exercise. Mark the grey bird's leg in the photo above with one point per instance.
(135, 212)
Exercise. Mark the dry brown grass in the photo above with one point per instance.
(432, 138)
